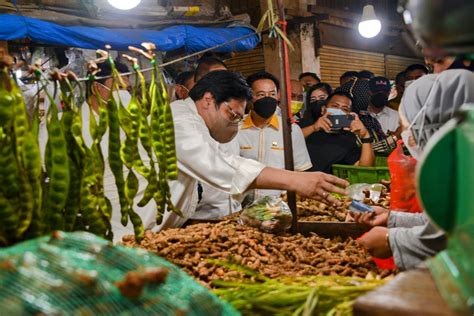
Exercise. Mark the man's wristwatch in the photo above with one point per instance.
(367, 140)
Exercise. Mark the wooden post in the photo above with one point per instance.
(4, 46)
(285, 90)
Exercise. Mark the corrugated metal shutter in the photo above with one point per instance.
(247, 62)
(396, 64)
(335, 61)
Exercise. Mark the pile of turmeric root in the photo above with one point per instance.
(199, 248)
(315, 211)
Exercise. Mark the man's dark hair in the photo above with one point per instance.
(365, 74)
(416, 67)
(319, 86)
(340, 93)
(105, 70)
(400, 77)
(263, 75)
(223, 85)
(311, 74)
(203, 66)
(183, 77)
(349, 74)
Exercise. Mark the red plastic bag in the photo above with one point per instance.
(403, 187)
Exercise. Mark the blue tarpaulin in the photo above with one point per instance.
(191, 38)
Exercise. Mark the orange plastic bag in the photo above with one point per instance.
(403, 187)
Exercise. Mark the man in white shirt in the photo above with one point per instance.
(209, 117)
(260, 136)
(213, 203)
(379, 88)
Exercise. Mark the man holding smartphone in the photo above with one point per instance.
(338, 136)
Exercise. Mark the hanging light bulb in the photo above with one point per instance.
(124, 4)
(369, 25)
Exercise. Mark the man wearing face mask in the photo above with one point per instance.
(213, 203)
(260, 136)
(210, 116)
(379, 89)
(413, 72)
(327, 146)
(183, 84)
(297, 98)
(101, 89)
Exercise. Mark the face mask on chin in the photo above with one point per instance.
(222, 130)
(296, 106)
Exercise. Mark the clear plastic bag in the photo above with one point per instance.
(269, 214)
(357, 191)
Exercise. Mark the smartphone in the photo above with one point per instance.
(341, 121)
(357, 206)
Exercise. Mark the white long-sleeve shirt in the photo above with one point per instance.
(199, 159)
(214, 203)
(266, 146)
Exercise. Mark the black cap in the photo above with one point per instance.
(379, 84)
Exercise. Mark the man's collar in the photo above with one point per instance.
(248, 122)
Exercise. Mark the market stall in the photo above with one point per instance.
(250, 263)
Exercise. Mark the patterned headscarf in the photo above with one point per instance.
(359, 90)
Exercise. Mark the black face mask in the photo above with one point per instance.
(379, 100)
(265, 107)
(316, 108)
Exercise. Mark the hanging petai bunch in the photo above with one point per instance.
(65, 191)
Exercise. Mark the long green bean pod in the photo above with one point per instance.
(59, 175)
(167, 127)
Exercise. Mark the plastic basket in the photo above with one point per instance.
(381, 161)
(355, 174)
(77, 274)
(381, 158)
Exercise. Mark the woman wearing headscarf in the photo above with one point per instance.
(427, 104)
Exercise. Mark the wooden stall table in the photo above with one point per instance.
(411, 293)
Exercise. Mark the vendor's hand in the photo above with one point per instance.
(319, 186)
(323, 123)
(376, 242)
(358, 128)
(378, 217)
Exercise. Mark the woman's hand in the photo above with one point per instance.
(378, 217)
(376, 242)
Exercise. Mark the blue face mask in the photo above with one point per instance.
(334, 111)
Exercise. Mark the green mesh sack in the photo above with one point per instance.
(81, 274)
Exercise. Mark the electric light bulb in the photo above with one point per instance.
(124, 4)
(369, 25)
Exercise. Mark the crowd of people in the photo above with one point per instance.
(368, 102)
(377, 111)
(230, 149)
